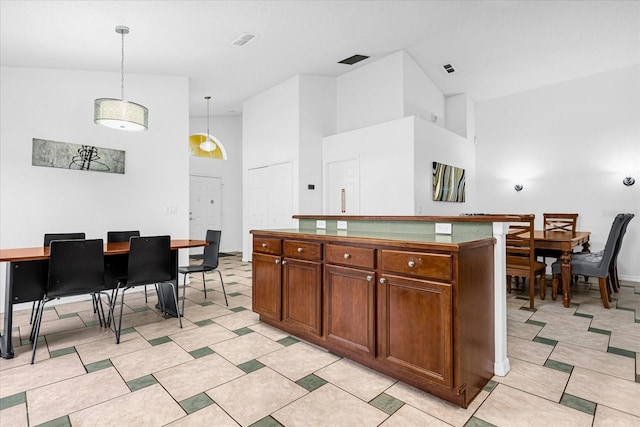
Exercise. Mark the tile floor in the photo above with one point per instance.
(569, 367)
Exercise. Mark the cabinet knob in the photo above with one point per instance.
(300, 250)
(347, 256)
(411, 264)
(264, 245)
(277, 261)
(284, 262)
(383, 280)
(369, 278)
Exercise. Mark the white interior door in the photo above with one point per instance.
(342, 195)
(205, 207)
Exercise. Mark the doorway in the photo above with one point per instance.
(205, 207)
(342, 195)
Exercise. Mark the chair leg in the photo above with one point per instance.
(119, 328)
(554, 287)
(34, 309)
(174, 292)
(204, 285)
(36, 326)
(532, 291)
(543, 286)
(184, 292)
(145, 294)
(604, 292)
(223, 291)
(508, 284)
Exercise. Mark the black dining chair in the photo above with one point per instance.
(76, 267)
(149, 264)
(125, 236)
(210, 263)
(48, 238)
(597, 264)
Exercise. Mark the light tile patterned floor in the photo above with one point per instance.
(572, 367)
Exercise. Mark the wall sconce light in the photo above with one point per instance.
(629, 181)
(518, 187)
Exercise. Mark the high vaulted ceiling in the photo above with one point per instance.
(497, 47)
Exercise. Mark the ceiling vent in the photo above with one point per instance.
(449, 68)
(243, 39)
(353, 59)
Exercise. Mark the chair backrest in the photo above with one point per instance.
(212, 250)
(121, 236)
(76, 267)
(149, 260)
(623, 230)
(520, 249)
(49, 237)
(560, 222)
(610, 246)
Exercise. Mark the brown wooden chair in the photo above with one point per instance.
(520, 257)
(557, 222)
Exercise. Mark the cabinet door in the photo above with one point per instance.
(350, 306)
(302, 295)
(267, 291)
(415, 321)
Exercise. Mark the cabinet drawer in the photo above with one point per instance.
(267, 245)
(303, 250)
(350, 255)
(434, 266)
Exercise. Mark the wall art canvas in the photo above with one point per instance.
(85, 157)
(448, 183)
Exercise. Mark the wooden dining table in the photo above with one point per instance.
(565, 242)
(27, 270)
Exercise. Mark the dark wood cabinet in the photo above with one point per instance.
(421, 312)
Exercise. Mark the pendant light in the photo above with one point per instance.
(119, 113)
(208, 145)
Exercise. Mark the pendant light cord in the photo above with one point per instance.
(122, 68)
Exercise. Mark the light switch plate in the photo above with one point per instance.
(443, 228)
(342, 225)
(321, 223)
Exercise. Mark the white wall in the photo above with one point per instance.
(421, 96)
(569, 144)
(227, 130)
(58, 105)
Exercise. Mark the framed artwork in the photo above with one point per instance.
(448, 183)
(55, 154)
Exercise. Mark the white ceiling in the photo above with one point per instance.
(497, 47)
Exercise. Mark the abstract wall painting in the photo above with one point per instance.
(448, 183)
(54, 154)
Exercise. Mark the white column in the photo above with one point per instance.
(501, 364)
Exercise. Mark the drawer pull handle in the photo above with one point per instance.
(284, 262)
(369, 278)
(383, 280)
(411, 264)
(264, 245)
(300, 250)
(277, 261)
(347, 256)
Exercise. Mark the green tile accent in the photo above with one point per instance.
(558, 366)
(588, 316)
(287, 341)
(625, 308)
(58, 422)
(250, 366)
(243, 331)
(141, 382)
(201, 352)
(27, 342)
(13, 400)
(578, 403)
(535, 322)
(637, 320)
(574, 304)
(204, 322)
(127, 331)
(522, 298)
(532, 310)
(638, 378)
(386, 403)
(621, 352)
(490, 386)
(600, 331)
(545, 341)
(238, 309)
(141, 309)
(311, 382)
(49, 308)
(62, 352)
(158, 341)
(233, 283)
(477, 422)
(234, 294)
(96, 366)
(66, 316)
(267, 421)
(91, 323)
(206, 303)
(194, 403)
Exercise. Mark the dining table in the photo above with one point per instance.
(27, 270)
(565, 242)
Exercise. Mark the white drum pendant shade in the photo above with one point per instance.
(120, 114)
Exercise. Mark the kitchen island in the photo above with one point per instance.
(391, 295)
